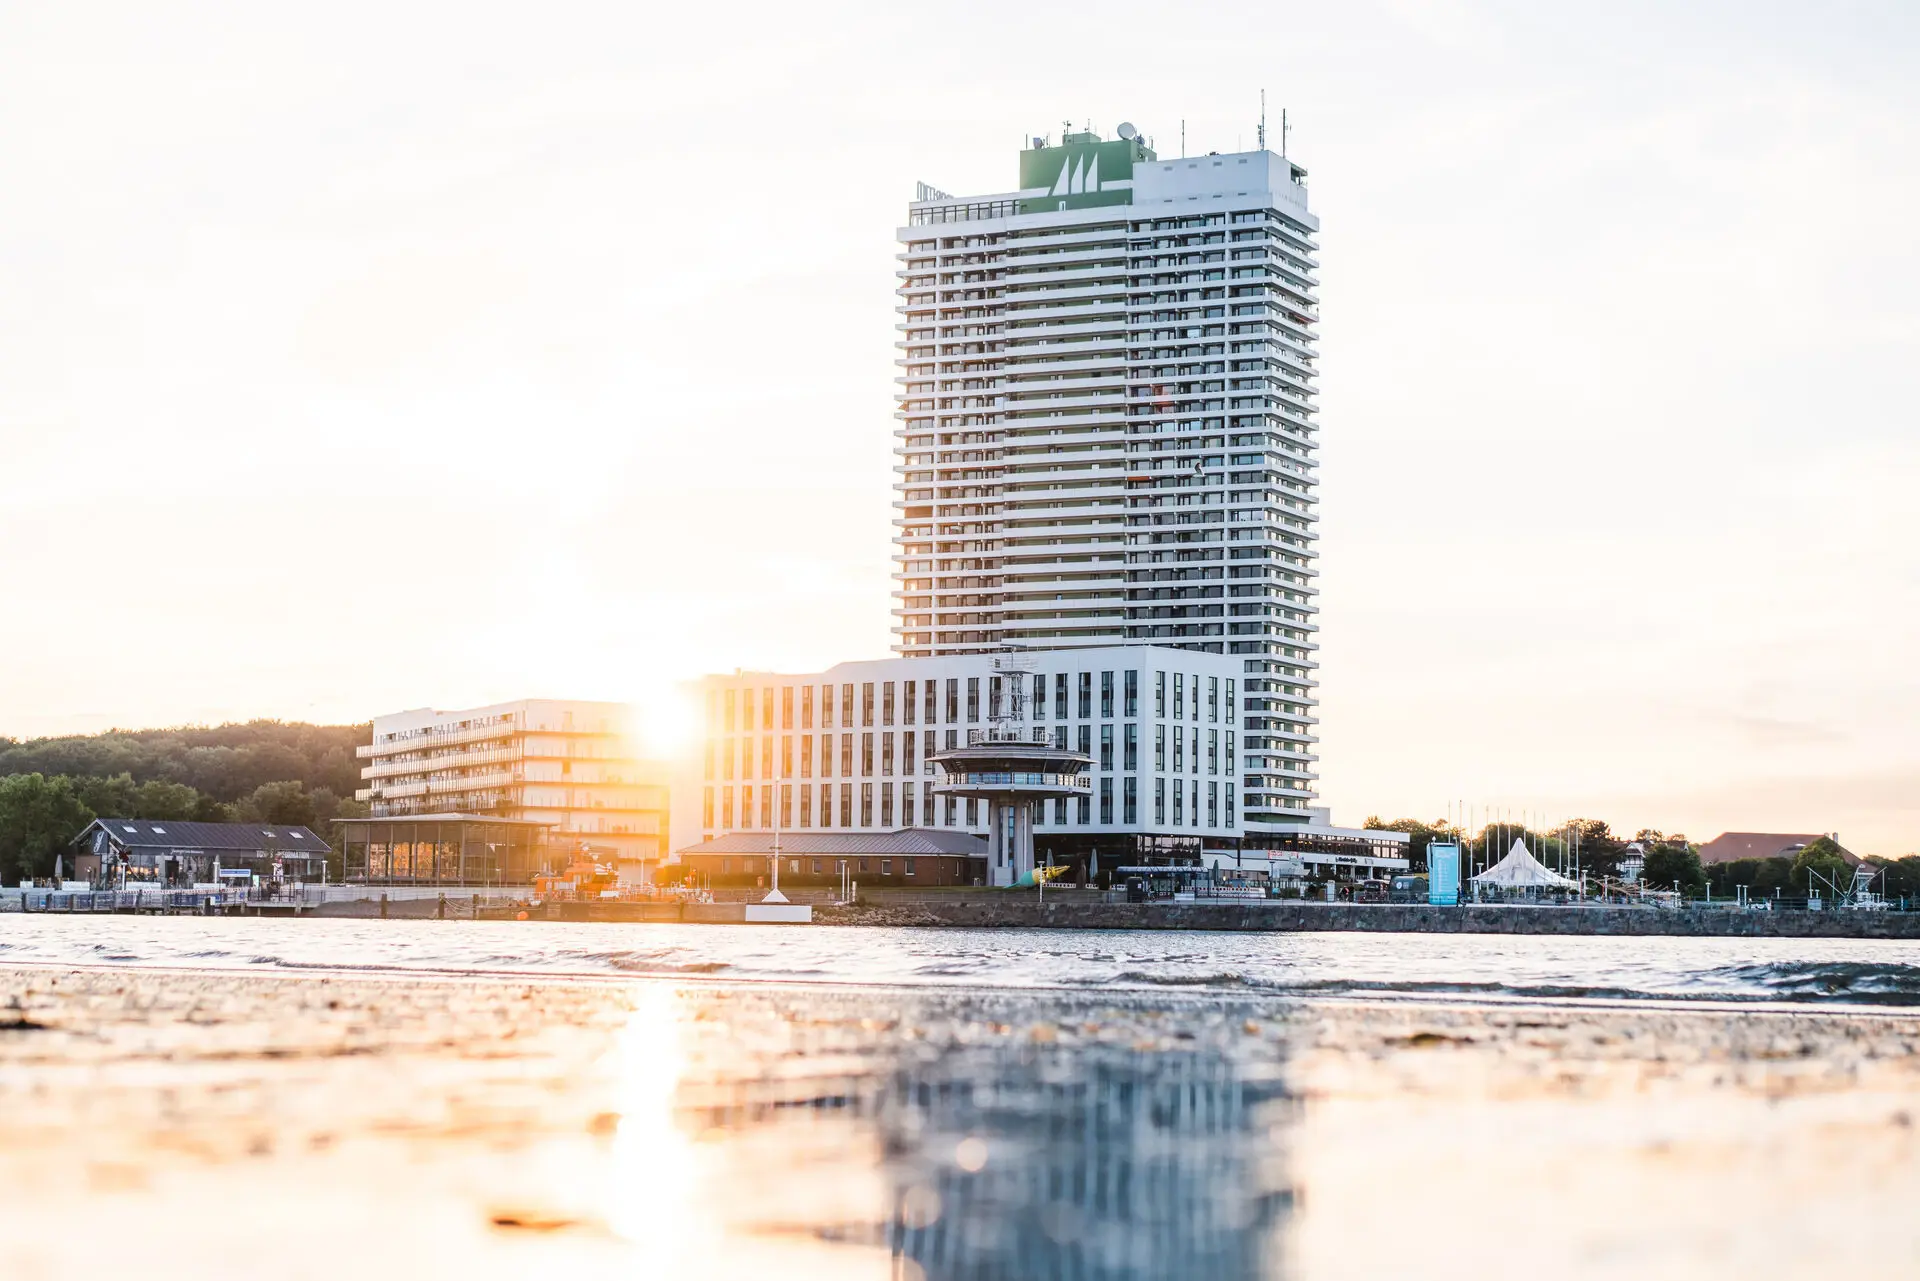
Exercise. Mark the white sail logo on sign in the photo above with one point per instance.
(1077, 177)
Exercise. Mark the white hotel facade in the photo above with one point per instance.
(1105, 433)
(848, 748)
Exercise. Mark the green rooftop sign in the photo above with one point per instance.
(1081, 173)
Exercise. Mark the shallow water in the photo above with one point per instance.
(1538, 967)
(259, 1098)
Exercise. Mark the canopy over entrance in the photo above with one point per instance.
(1520, 870)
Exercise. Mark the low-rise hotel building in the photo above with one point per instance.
(568, 764)
(847, 749)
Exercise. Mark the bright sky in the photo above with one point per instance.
(356, 357)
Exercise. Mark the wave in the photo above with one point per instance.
(1856, 982)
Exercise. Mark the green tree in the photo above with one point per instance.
(1668, 865)
(1421, 834)
(38, 817)
(284, 802)
(1823, 857)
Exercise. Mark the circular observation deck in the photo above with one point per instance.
(1012, 764)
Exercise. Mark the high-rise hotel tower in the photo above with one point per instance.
(1106, 430)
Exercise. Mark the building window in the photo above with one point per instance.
(1130, 706)
(996, 692)
(1230, 703)
(1160, 695)
(1179, 695)
(1085, 736)
(846, 804)
(1086, 810)
(1196, 702)
(709, 763)
(866, 703)
(706, 807)
(730, 711)
(726, 866)
(886, 867)
(713, 711)
(1106, 801)
(952, 805)
(1130, 753)
(866, 755)
(972, 819)
(846, 706)
(926, 802)
(1059, 696)
(1229, 763)
(1196, 802)
(806, 756)
(1230, 818)
(953, 700)
(886, 805)
(1213, 751)
(766, 758)
(1195, 758)
(932, 689)
(1160, 802)
(766, 807)
(786, 805)
(1179, 751)
(906, 702)
(1213, 698)
(817, 868)
(846, 756)
(1059, 738)
(1213, 804)
(1106, 696)
(826, 707)
(1179, 803)
(726, 759)
(726, 807)
(906, 753)
(1129, 800)
(973, 700)
(766, 709)
(786, 756)
(806, 805)
(953, 740)
(886, 754)
(806, 707)
(886, 703)
(906, 806)
(1039, 698)
(826, 756)
(746, 710)
(786, 707)
(1106, 748)
(826, 804)
(907, 866)
(1086, 696)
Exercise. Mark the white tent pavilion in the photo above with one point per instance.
(1520, 870)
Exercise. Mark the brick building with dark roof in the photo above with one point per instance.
(166, 853)
(1729, 846)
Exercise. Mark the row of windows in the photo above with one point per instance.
(758, 863)
(1116, 747)
(1176, 802)
(900, 702)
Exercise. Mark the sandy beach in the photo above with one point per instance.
(269, 1125)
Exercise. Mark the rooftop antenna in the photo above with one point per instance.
(1183, 139)
(1283, 133)
(1263, 120)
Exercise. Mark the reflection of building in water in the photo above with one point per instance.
(1134, 1166)
(1015, 1159)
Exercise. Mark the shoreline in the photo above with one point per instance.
(1067, 911)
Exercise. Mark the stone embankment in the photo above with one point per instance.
(1071, 912)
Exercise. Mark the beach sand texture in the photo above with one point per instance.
(214, 1124)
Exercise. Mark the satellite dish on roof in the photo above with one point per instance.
(1127, 131)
